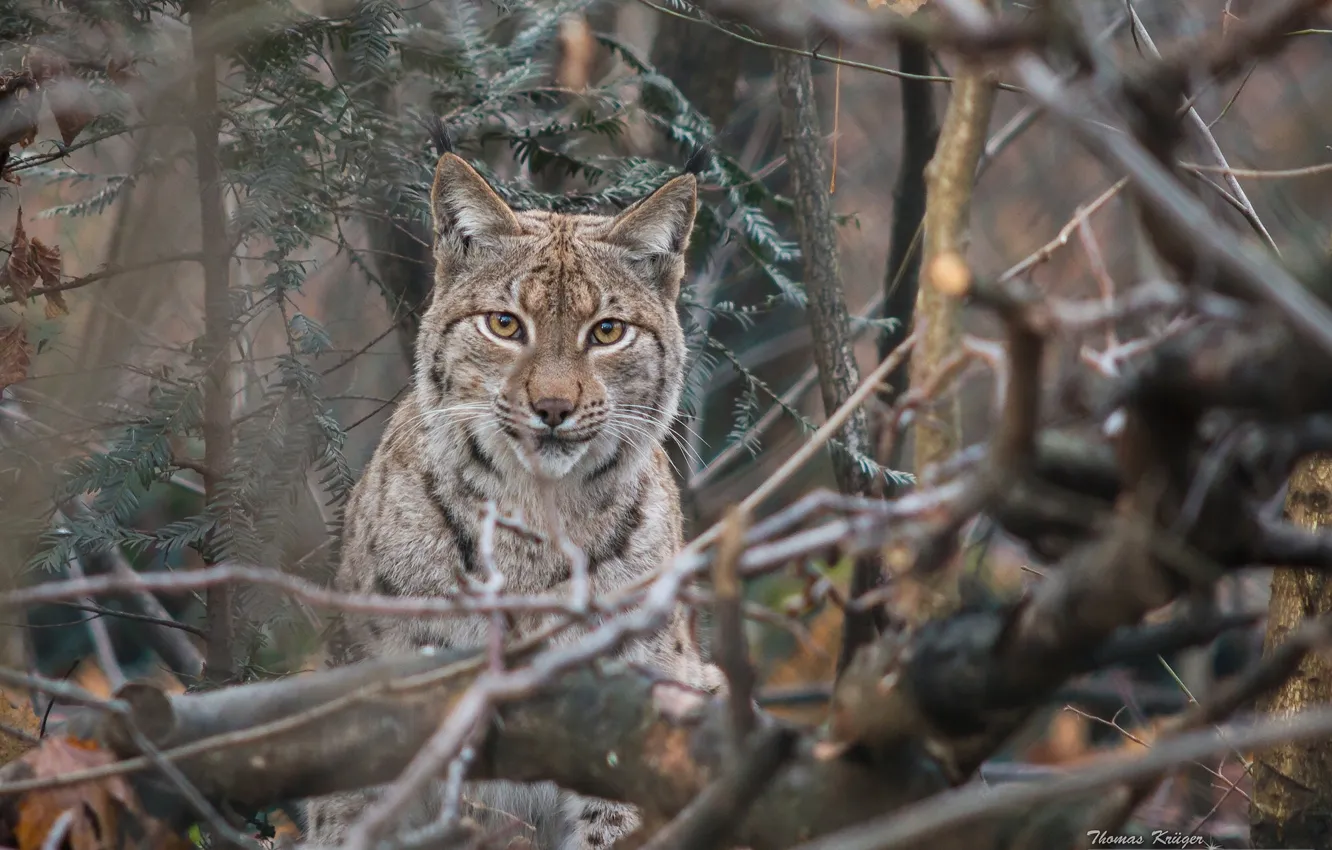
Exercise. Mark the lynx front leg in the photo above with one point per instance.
(596, 824)
(328, 818)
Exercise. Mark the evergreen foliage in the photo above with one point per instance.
(323, 124)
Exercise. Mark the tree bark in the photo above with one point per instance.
(829, 322)
(1292, 783)
(828, 319)
(949, 179)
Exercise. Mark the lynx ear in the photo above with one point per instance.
(465, 208)
(659, 224)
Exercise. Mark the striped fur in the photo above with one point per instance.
(471, 432)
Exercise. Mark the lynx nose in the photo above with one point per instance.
(553, 411)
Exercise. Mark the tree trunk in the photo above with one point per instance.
(221, 626)
(1292, 783)
(828, 320)
(920, 135)
(949, 180)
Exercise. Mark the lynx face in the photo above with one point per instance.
(552, 342)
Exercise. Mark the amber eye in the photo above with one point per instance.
(505, 325)
(607, 332)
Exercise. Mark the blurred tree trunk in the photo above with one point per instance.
(1292, 784)
(399, 245)
(705, 66)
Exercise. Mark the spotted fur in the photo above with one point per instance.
(488, 410)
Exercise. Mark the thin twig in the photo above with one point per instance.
(809, 54)
(1214, 147)
(106, 274)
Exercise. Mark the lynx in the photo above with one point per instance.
(551, 348)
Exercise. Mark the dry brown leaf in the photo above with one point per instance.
(45, 64)
(16, 713)
(121, 70)
(55, 306)
(808, 666)
(96, 805)
(89, 676)
(20, 103)
(72, 105)
(68, 97)
(5, 174)
(284, 826)
(15, 354)
(19, 272)
(46, 259)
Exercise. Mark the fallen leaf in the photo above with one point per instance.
(89, 676)
(17, 715)
(19, 272)
(96, 806)
(94, 803)
(15, 355)
(283, 825)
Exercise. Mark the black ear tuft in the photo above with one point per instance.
(699, 161)
(439, 135)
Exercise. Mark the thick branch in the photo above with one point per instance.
(336, 730)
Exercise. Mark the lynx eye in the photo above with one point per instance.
(504, 325)
(607, 332)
